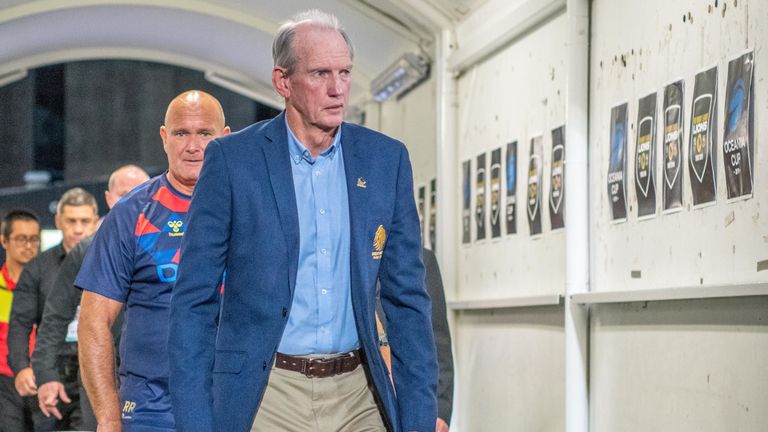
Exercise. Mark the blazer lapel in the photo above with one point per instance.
(357, 169)
(281, 177)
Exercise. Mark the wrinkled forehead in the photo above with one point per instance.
(77, 211)
(312, 42)
(197, 116)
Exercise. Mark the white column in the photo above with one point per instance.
(448, 223)
(577, 254)
(447, 170)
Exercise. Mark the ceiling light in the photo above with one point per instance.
(399, 78)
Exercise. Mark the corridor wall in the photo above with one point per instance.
(510, 361)
(683, 365)
(678, 302)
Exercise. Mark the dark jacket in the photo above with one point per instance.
(434, 283)
(33, 287)
(60, 309)
(442, 336)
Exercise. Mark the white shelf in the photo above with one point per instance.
(507, 302)
(663, 294)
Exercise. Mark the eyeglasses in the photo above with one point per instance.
(22, 240)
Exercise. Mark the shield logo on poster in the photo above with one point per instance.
(557, 178)
(480, 198)
(495, 189)
(616, 171)
(644, 154)
(736, 105)
(738, 140)
(496, 193)
(672, 139)
(534, 185)
(533, 188)
(466, 196)
(616, 181)
(511, 186)
(699, 156)
(733, 148)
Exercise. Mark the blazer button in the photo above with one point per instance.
(285, 312)
(264, 366)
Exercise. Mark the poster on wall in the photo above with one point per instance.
(738, 138)
(702, 157)
(511, 187)
(433, 214)
(496, 193)
(645, 157)
(480, 198)
(673, 147)
(557, 179)
(617, 163)
(421, 203)
(466, 195)
(535, 161)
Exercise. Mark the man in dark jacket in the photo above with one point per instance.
(434, 283)
(57, 335)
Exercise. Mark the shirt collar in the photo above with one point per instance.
(10, 284)
(299, 151)
(59, 251)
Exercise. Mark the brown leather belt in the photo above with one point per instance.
(319, 367)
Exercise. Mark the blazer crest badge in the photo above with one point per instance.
(378, 242)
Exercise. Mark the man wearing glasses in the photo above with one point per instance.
(20, 237)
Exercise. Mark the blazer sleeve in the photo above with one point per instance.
(408, 310)
(195, 301)
(442, 337)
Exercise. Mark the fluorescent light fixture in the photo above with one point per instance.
(251, 89)
(403, 75)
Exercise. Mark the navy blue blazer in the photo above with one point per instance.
(243, 218)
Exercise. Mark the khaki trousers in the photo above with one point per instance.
(341, 403)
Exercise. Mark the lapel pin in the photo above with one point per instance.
(361, 183)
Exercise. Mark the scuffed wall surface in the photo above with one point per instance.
(638, 48)
(694, 365)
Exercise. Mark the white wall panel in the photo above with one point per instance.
(514, 95)
(413, 120)
(510, 362)
(638, 48)
(694, 365)
(511, 370)
(680, 366)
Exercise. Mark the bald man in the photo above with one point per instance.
(59, 393)
(122, 181)
(132, 263)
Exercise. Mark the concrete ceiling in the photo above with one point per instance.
(228, 39)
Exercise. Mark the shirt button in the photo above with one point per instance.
(324, 291)
(264, 366)
(285, 312)
(317, 173)
(322, 211)
(323, 251)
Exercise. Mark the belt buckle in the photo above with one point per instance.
(306, 367)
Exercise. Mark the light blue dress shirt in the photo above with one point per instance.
(321, 319)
